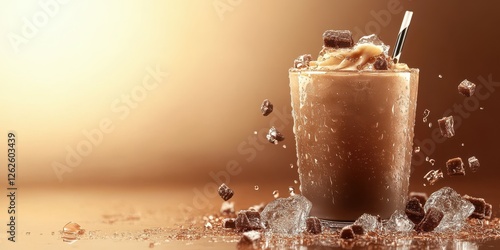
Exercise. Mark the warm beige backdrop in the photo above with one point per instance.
(69, 68)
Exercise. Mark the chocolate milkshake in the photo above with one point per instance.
(354, 113)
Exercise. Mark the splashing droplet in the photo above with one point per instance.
(291, 190)
(276, 194)
(417, 149)
(256, 187)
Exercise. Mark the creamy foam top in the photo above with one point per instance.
(361, 56)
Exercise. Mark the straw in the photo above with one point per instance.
(402, 35)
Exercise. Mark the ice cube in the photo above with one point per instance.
(455, 208)
(287, 215)
(375, 40)
(446, 126)
(399, 222)
(473, 164)
(433, 176)
(466, 88)
(369, 222)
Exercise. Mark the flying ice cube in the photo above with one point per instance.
(446, 126)
(454, 207)
(433, 176)
(287, 215)
(373, 39)
(399, 222)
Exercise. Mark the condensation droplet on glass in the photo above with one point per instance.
(256, 187)
(276, 194)
(417, 149)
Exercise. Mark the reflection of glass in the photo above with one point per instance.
(354, 133)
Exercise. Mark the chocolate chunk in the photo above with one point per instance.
(455, 166)
(431, 220)
(313, 225)
(266, 108)
(479, 207)
(488, 211)
(347, 233)
(357, 229)
(338, 39)
(446, 126)
(473, 164)
(380, 63)
(225, 192)
(274, 136)
(422, 197)
(466, 88)
(248, 220)
(228, 223)
(302, 61)
(414, 210)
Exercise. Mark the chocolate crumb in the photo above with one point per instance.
(250, 237)
(274, 136)
(248, 220)
(313, 225)
(488, 210)
(357, 229)
(479, 207)
(380, 63)
(347, 233)
(466, 88)
(455, 166)
(421, 196)
(225, 192)
(266, 108)
(414, 210)
(228, 223)
(338, 39)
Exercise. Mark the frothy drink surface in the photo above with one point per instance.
(354, 132)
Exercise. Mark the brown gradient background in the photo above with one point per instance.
(91, 53)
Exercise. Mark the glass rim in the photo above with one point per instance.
(328, 71)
